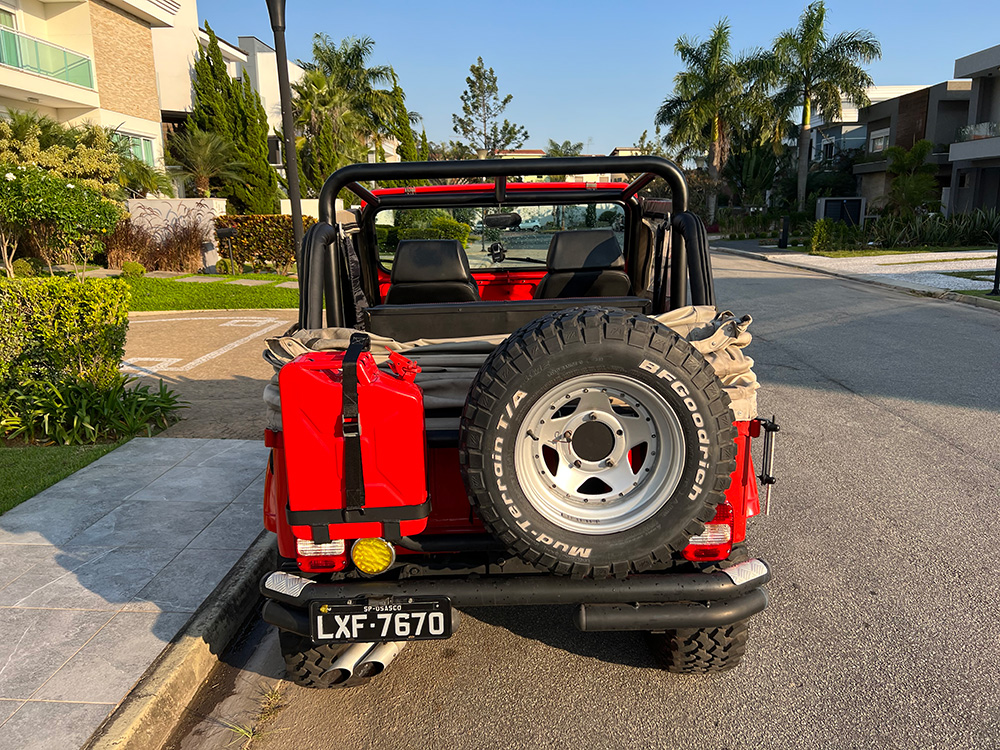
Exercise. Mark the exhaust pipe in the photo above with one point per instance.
(380, 657)
(344, 667)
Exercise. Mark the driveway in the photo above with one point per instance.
(213, 361)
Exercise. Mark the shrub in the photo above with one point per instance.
(23, 269)
(62, 329)
(73, 413)
(264, 241)
(822, 236)
(451, 229)
(131, 270)
(180, 245)
(129, 241)
(222, 266)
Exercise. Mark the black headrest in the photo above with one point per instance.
(587, 248)
(430, 260)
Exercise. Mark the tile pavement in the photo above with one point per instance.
(100, 571)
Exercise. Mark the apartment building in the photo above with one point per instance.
(975, 154)
(935, 113)
(829, 138)
(86, 61)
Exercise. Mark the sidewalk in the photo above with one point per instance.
(100, 571)
(921, 273)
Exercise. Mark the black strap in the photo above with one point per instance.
(354, 476)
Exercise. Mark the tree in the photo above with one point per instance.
(814, 71)
(342, 108)
(556, 150)
(481, 109)
(914, 187)
(59, 218)
(709, 96)
(204, 156)
(232, 109)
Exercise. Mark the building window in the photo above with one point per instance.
(879, 141)
(963, 179)
(141, 148)
(828, 150)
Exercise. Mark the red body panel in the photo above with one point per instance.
(494, 286)
(393, 441)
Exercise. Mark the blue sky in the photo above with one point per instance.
(593, 71)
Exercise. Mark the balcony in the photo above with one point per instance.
(33, 55)
(979, 131)
(976, 142)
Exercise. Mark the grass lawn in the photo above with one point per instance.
(26, 470)
(978, 293)
(170, 294)
(888, 251)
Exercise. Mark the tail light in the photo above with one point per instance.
(317, 558)
(716, 541)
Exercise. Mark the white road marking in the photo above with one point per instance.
(165, 364)
(158, 364)
(214, 317)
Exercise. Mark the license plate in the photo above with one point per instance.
(393, 620)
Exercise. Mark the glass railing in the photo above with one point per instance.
(35, 56)
(978, 131)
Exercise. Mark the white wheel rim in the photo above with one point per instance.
(614, 473)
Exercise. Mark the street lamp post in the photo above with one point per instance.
(276, 10)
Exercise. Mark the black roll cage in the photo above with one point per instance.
(320, 262)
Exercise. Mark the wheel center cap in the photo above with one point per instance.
(593, 441)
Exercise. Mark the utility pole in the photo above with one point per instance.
(276, 10)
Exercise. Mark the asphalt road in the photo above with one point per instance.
(882, 629)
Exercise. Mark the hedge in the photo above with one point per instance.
(262, 241)
(441, 228)
(60, 329)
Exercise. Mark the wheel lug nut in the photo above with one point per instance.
(577, 463)
(619, 432)
(609, 463)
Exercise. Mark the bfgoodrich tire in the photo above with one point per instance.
(596, 442)
(700, 650)
(305, 661)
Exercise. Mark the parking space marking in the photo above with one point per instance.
(159, 365)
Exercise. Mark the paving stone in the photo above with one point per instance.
(53, 517)
(249, 282)
(234, 528)
(201, 279)
(35, 643)
(226, 454)
(254, 494)
(52, 726)
(107, 667)
(151, 525)
(7, 708)
(199, 484)
(186, 580)
(106, 580)
(163, 274)
(288, 285)
(147, 451)
(18, 559)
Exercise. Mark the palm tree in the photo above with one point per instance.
(138, 178)
(555, 150)
(707, 100)
(813, 71)
(342, 106)
(205, 156)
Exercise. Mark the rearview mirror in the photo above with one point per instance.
(502, 221)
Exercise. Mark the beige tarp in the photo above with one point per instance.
(448, 366)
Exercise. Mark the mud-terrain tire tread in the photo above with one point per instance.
(305, 661)
(547, 336)
(700, 650)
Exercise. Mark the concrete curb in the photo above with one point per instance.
(151, 711)
(917, 290)
(142, 313)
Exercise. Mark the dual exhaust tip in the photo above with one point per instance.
(362, 661)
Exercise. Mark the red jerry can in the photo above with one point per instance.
(355, 445)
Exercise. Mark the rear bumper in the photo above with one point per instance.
(640, 602)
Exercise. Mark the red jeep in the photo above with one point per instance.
(557, 416)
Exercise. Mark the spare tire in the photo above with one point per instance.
(596, 442)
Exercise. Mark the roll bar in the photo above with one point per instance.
(648, 167)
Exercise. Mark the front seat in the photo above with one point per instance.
(587, 263)
(431, 271)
